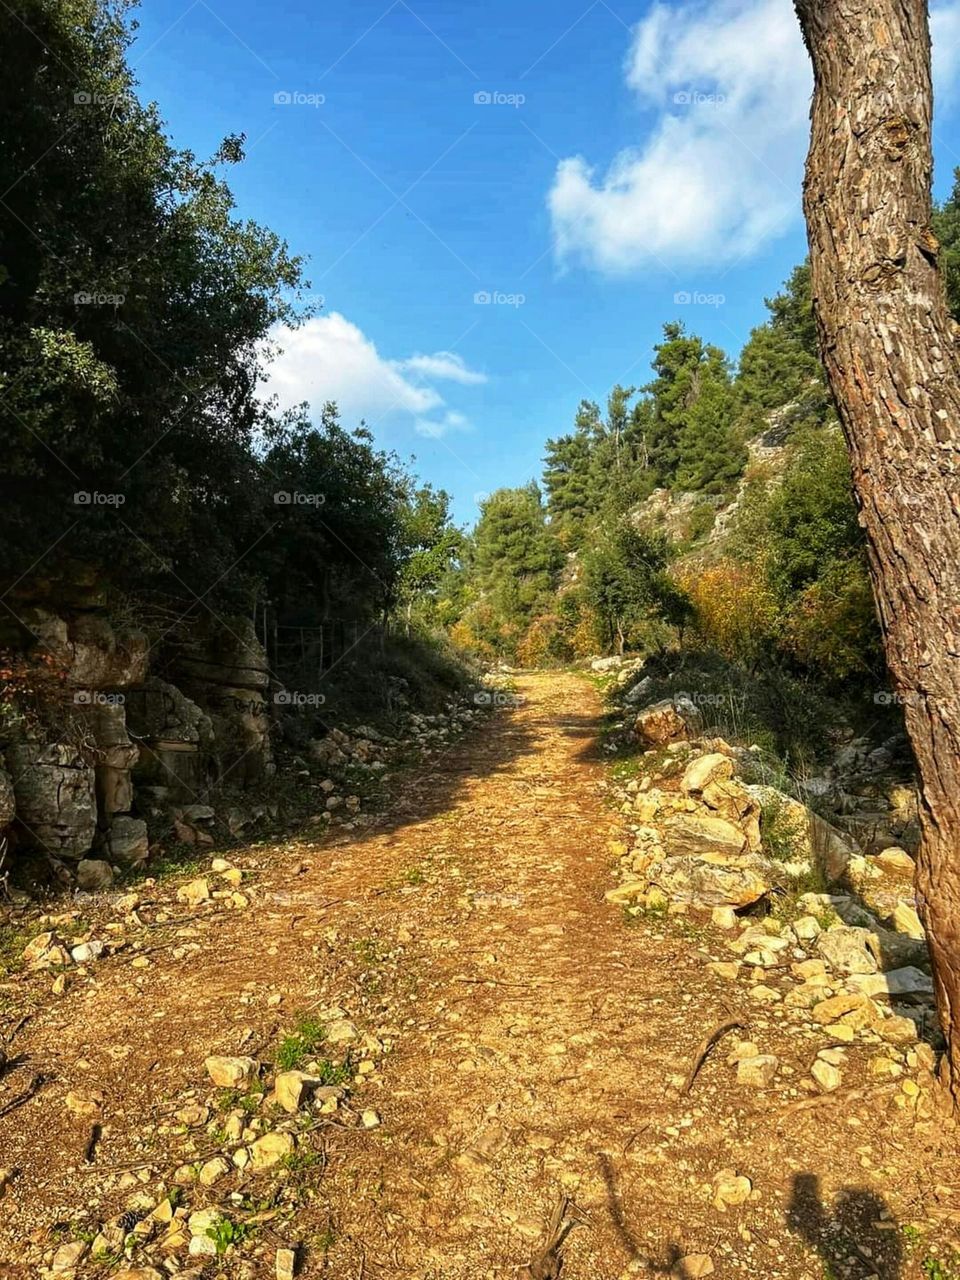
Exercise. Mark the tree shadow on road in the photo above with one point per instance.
(857, 1237)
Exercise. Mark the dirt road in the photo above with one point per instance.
(533, 1046)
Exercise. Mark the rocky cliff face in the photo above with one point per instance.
(101, 742)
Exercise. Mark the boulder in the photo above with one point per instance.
(731, 882)
(54, 788)
(848, 950)
(700, 772)
(126, 841)
(696, 834)
(896, 859)
(897, 982)
(671, 720)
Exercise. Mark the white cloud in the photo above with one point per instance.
(433, 429)
(444, 364)
(718, 172)
(330, 358)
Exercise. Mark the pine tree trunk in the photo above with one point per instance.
(891, 355)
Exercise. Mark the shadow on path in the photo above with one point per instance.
(859, 1234)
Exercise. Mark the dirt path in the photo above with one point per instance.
(535, 1046)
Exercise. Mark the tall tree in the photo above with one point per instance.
(889, 347)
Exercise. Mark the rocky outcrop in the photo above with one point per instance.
(175, 739)
(671, 720)
(54, 790)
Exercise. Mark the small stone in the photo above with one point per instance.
(370, 1119)
(910, 1088)
(231, 1073)
(213, 1171)
(286, 1264)
(728, 969)
(723, 918)
(202, 1247)
(87, 951)
(757, 1072)
(269, 1150)
(194, 892)
(37, 948)
(219, 865)
(138, 1273)
(764, 995)
(6, 1177)
(693, 1267)
(68, 1257)
(341, 1031)
(290, 1088)
(807, 928)
(233, 877)
(730, 1189)
(701, 772)
(826, 1075)
(742, 1049)
(87, 1104)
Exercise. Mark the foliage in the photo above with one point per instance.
(734, 610)
(946, 226)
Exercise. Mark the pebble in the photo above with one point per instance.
(758, 1072)
(286, 1264)
(826, 1075)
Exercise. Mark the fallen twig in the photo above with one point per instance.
(848, 1095)
(706, 1045)
(21, 1098)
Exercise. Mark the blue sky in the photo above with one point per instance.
(618, 158)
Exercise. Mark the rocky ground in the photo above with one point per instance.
(433, 1046)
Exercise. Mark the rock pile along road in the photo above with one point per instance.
(519, 1052)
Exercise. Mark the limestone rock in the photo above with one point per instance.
(848, 950)
(758, 1072)
(723, 918)
(126, 841)
(896, 859)
(94, 876)
(896, 982)
(898, 1030)
(68, 1257)
(730, 1189)
(700, 772)
(661, 723)
(905, 920)
(54, 789)
(692, 1267)
(341, 1031)
(231, 1073)
(285, 1265)
(826, 1075)
(735, 882)
(292, 1088)
(694, 834)
(269, 1150)
(194, 892)
(213, 1170)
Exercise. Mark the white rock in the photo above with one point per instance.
(758, 1072)
(826, 1075)
(231, 1073)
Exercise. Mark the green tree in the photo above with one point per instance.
(624, 582)
(946, 225)
(431, 546)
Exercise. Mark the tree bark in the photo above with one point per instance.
(890, 350)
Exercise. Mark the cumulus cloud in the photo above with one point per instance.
(330, 358)
(727, 86)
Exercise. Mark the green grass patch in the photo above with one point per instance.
(301, 1043)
